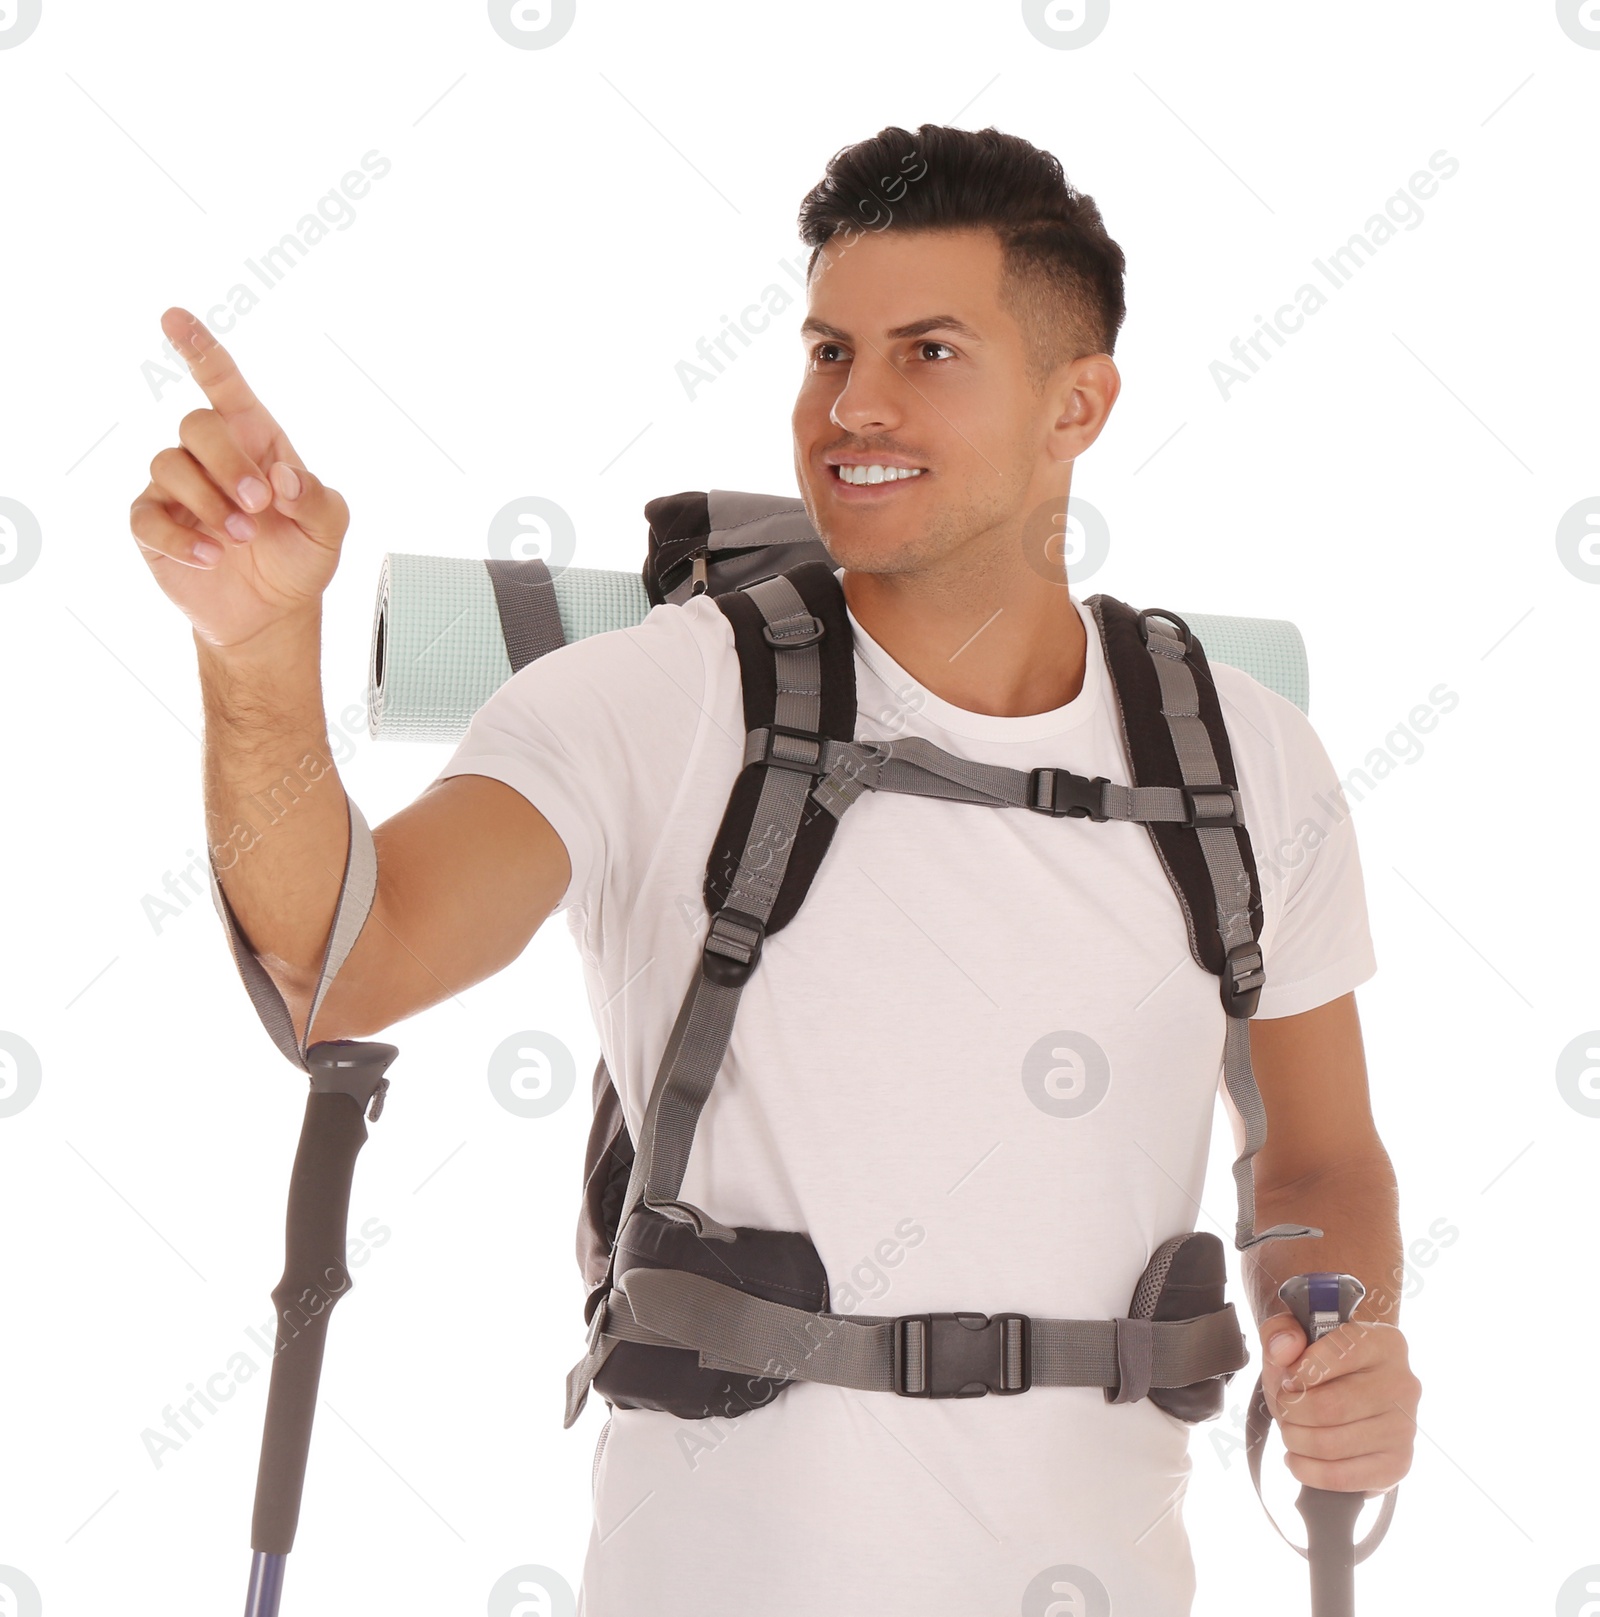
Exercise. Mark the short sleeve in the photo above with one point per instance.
(1316, 939)
(596, 735)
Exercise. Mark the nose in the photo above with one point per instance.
(871, 401)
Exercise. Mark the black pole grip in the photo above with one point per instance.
(345, 1076)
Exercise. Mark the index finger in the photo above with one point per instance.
(213, 367)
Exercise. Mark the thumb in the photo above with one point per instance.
(317, 509)
(1282, 1340)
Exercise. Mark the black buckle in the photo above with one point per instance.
(796, 639)
(962, 1355)
(726, 969)
(773, 761)
(1192, 796)
(1058, 791)
(1244, 973)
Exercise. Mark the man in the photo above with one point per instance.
(872, 1095)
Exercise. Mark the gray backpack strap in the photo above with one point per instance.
(919, 767)
(356, 892)
(1223, 941)
(699, 1038)
(919, 1355)
(525, 598)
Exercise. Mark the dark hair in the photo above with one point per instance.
(1061, 275)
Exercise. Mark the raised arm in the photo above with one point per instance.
(244, 540)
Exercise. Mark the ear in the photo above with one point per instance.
(1081, 393)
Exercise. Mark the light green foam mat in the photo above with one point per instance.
(1269, 650)
(438, 652)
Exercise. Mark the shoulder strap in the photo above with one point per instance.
(817, 701)
(1174, 734)
(796, 659)
(1173, 730)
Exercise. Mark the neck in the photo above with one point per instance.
(1003, 643)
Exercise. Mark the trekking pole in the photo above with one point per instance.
(346, 1077)
(1322, 1303)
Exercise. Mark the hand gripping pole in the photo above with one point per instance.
(347, 1087)
(1322, 1303)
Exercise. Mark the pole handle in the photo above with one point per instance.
(1323, 1302)
(347, 1077)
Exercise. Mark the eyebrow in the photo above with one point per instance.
(917, 328)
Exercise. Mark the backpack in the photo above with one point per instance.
(688, 1316)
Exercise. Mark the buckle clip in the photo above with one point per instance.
(1244, 973)
(773, 761)
(961, 1355)
(1205, 807)
(796, 638)
(1058, 792)
(732, 948)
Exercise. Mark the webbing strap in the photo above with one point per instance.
(1180, 707)
(919, 767)
(1258, 1422)
(699, 1039)
(525, 598)
(357, 889)
(736, 1331)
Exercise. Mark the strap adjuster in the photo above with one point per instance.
(1058, 792)
(1213, 807)
(802, 765)
(793, 633)
(1244, 973)
(961, 1355)
(732, 948)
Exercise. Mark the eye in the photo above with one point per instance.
(933, 342)
(816, 353)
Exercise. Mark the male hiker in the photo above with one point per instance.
(956, 360)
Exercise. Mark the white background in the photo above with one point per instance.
(503, 318)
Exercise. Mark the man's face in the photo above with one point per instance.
(910, 362)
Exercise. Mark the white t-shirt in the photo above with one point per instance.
(883, 1093)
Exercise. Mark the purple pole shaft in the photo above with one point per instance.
(266, 1585)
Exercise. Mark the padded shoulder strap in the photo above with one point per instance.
(1153, 729)
(766, 707)
(1174, 733)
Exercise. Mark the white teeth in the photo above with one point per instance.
(877, 474)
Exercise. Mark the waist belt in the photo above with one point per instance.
(944, 1355)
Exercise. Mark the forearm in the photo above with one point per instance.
(276, 815)
(1357, 1207)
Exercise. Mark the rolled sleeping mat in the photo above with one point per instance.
(449, 631)
(445, 627)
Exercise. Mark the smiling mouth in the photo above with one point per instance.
(871, 475)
